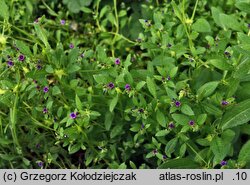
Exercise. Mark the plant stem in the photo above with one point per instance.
(196, 152)
(195, 6)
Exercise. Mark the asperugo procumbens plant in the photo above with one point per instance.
(149, 84)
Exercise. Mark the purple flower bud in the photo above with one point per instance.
(71, 46)
(35, 81)
(127, 87)
(155, 151)
(223, 163)
(142, 126)
(38, 87)
(168, 78)
(38, 145)
(10, 63)
(73, 115)
(62, 22)
(40, 164)
(45, 110)
(36, 20)
(169, 45)
(117, 61)
(164, 157)
(39, 67)
(21, 57)
(141, 110)
(46, 89)
(171, 125)
(191, 122)
(223, 102)
(110, 85)
(177, 103)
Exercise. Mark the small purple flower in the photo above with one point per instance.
(38, 145)
(40, 164)
(21, 57)
(73, 115)
(62, 22)
(117, 61)
(177, 103)
(36, 20)
(223, 163)
(155, 151)
(71, 46)
(223, 102)
(46, 89)
(142, 126)
(127, 87)
(164, 157)
(171, 125)
(39, 67)
(141, 110)
(168, 78)
(35, 81)
(110, 85)
(82, 55)
(45, 110)
(10, 63)
(191, 122)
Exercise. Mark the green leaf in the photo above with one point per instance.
(73, 68)
(216, 16)
(238, 115)
(186, 109)
(56, 90)
(243, 6)
(132, 165)
(101, 78)
(23, 48)
(140, 85)
(117, 130)
(173, 72)
(230, 21)
(162, 133)
(113, 103)
(181, 163)
(242, 69)
(74, 148)
(181, 119)
(41, 35)
(177, 10)
(170, 146)
(201, 25)
(160, 118)
(73, 55)
(49, 69)
(219, 148)
(109, 116)
(78, 103)
(4, 13)
(244, 155)
(207, 89)
(201, 119)
(220, 64)
(151, 86)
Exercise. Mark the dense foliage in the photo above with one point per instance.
(124, 84)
